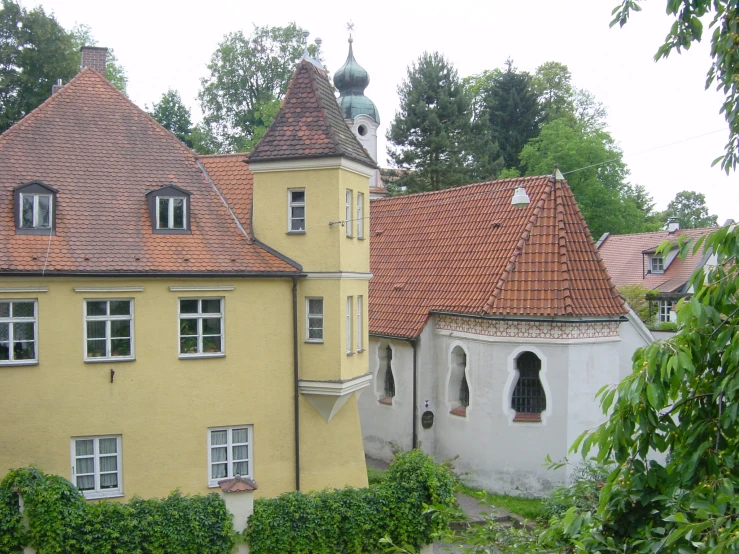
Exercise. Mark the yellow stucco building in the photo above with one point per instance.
(169, 320)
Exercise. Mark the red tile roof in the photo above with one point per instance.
(467, 250)
(234, 180)
(627, 265)
(103, 154)
(310, 123)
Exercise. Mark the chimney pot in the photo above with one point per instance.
(673, 224)
(95, 57)
(57, 87)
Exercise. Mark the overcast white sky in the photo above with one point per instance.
(166, 44)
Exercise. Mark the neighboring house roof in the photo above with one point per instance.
(467, 250)
(627, 261)
(310, 123)
(103, 155)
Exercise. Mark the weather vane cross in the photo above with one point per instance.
(350, 27)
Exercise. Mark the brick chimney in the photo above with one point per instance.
(95, 57)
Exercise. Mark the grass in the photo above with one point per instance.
(376, 476)
(529, 508)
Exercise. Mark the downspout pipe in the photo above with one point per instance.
(296, 389)
(414, 345)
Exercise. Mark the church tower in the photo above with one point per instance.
(360, 113)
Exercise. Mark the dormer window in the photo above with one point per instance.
(657, 264)
(35, 209)
(169, 210)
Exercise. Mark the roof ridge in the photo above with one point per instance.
(564, 274)
(518, 248)
(222, 155)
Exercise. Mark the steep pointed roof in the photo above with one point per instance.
(103, 154)
(467, 250)
(310, 123)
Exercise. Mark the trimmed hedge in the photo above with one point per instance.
(352, 521)
(61, 521)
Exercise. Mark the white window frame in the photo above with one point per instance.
(665, 310)
(10, 320)
(360, 313)
(170, 212)
(349, 213)
(656, 264)
(200, 316)
(35, 216)
(309, 316)
(107, 318)
(99, 492)
(360, 215)
(349, 303)
(229, 452)
(292, 204)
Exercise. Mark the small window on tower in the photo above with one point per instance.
(362, 130)
(169, 210)
(296, 211)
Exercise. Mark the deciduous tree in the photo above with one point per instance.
(114, 71)
(690, 209)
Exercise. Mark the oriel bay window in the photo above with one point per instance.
(18, 320)
(201, 327)
(229, 453)
(96, 465)
(108, 330)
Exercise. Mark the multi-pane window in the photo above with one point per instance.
(96, 465)
(18, 331)
(349, 302)
(35, 211)
(201, 326)
(665, 310)
(360, 215)
(108, 329)
(296, 210)
(314, 319)
(657, 264)
(360, 311)
(229, 453)
(528, 398)
(349, 223)
(171, 212)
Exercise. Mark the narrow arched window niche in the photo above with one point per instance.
(458, 389)
(385, 379)
(528, 399)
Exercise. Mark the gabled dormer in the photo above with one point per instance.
(169, 210)
(657, 263)
(35, 209)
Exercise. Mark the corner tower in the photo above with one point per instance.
(360, 113)
(311, 203)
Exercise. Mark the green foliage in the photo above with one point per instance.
(174, 116)
(432, 133)
(666, 326)
(587, 479)
(248, 77)
(607, 201)
(61, 521)
(688, 28)
(376, 476)
(355, 520)
(637, 296)
(114, 71)
(691, 211)
(552, 84)
(528, 507)
(35, 51)
(681, 401)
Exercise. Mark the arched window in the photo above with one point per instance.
(385, 377)
(528, 399)
(458, 390)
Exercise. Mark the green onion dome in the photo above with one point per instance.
(351, 79)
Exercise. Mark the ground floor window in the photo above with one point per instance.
(528, 399)
(96, 465)
(665, 310)
(229, 453)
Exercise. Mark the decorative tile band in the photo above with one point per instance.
(565, 330)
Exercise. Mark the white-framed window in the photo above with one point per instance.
(108, 330)
(18, 332)
(349, 302)
(314, 319)
(360, 311)
(171, 212)
(201, 327)
(657, 264)
(349, 223)
(360, 215)
(296, 211)
(96, 466)
(229, 453)
(665, 311)
(36, 210)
